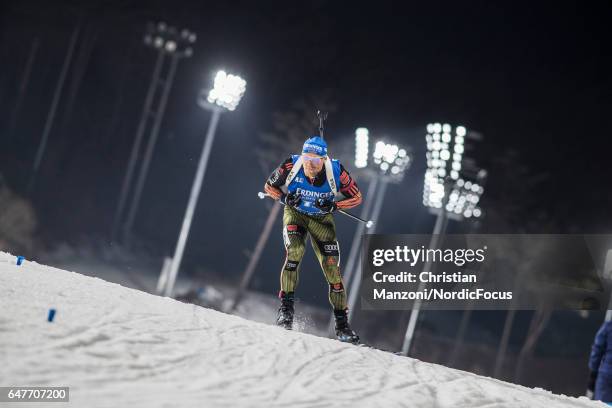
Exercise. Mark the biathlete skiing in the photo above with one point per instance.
(312, 186)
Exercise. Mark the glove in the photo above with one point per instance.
(327, 206)
(291, 199)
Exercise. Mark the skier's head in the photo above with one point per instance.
(314, 153)
(315, 145)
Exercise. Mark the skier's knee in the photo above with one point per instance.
(295, 251)
(330, 265)
(294, 241)
(329, 249)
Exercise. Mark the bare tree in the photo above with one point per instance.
(290, 128)
(538, 324)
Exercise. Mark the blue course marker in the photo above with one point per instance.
(20, 260)
(51, 315)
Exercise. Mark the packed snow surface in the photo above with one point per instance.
(119, 347)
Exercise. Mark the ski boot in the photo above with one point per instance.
(286, 310)
(343, 330)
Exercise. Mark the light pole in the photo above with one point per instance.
(23, 86)
(386, 164)
(254, 259)
(452, 190)
(57, 94)
(361, 162)
(167, 41)
(226, 94)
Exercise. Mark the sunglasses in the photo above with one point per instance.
(313, 160)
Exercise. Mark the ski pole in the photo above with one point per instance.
(368, 223)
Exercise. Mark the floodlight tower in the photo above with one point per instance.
(464, 178)
(167, 41)
(452, 190)
(225, 94)
(386, 164)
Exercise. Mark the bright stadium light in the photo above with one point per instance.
(382, 164)
(445, 157)
(448, 191)
(170, 46)
(463, 199)
(390, 160)
(226, 93)
(158, 42)
(227, 90)
(361, 147)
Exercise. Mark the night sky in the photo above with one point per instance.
(533, 79)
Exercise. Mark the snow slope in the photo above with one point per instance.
(119, 347)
